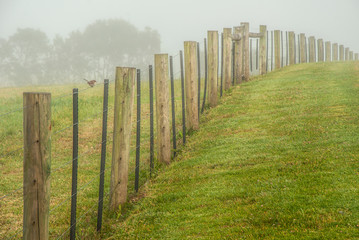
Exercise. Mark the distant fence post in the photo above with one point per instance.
(212, 37)
(37, 164)
(291, 48)
(245, 37)
(311, 49)
(328, 51)
(282, 49)
(163, 107)
(277, 49)
(302, 48)
(335, 51)
(272, 50)
(341, 52)
(238, 55)
(190, 64)
(227, 60)
(263, 50)
(124, 100)
(356, 57)
(351, 58)
(320, 50)
(346, 54)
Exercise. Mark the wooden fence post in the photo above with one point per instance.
(227, 59)
(212, 37)
(238, 55)
(124, 99)
(302, 48)
(351, 56)
(163, 107)
(37, 164)
(263, 50)
(311, 49)
(328, 51)
(320, 50)
(341, 52)
(277, 49)
(335, 51)
(190, 65)
(291, 48)
(245, 36)
(346, 54)
(356, 56)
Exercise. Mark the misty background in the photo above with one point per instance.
(52, 42)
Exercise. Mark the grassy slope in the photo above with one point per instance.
(277, 159)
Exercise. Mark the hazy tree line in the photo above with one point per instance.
(30, 57)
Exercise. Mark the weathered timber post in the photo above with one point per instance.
(245, 36)
(291, 48)
(328, 51)
(295, 51)
(277, 49)
(335, 51)
(320, 50)
(356, 57)
(272, 49)
(163, 108)
(190, 65)
(37, 165)
(212, 37)
(238, 55)
(286, 49)
(282, 49)
(302, 48)
(124, 98)
(351, 56)
(346, 54)
(311, 49)
(227, 60)
(263, 49)
(341, 52)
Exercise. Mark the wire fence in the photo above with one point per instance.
(94, 145)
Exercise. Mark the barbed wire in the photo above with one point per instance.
(11, 193)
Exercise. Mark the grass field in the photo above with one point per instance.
(278, 158)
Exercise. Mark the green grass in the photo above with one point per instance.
(277, 159)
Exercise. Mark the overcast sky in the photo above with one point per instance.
(180, 20)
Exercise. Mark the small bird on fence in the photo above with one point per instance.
(91, 83)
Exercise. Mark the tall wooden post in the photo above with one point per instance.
(190, 64)
(335, 51)
(302, 48)
(263, 49)
(347, 54)
(311, 49)
(37, 165)
(320, 50)
(245, 36)
(238, 55)
(227, 60)
(124, 98)
(212, 37)
(277, 49)
(356, 56)
(163, 108)
(328, 51)
(341, 52)
(291, 48)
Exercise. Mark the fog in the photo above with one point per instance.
(178, 21)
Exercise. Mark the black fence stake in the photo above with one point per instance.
(183, 101)
(199, 78)
(103, 155)
(138, 130)
(152, 144)
(75, 120)
(205, 75)
(221, 93)
(173, 109)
